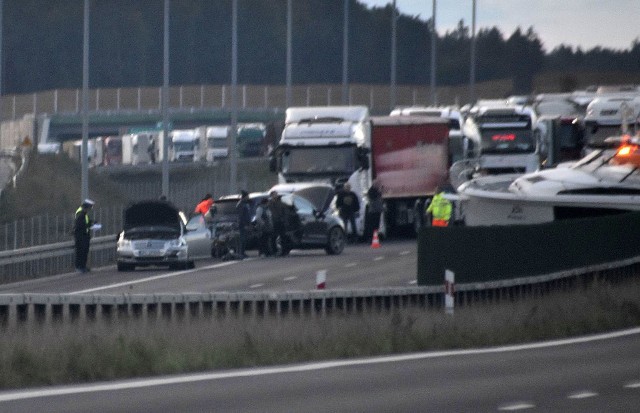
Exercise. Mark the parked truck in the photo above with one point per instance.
(250, 139)
(138, 148)
(326, 144)
(217, 142)
(509, 140)
(185, 146)
(410, 159)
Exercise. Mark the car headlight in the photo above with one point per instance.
(177, 242)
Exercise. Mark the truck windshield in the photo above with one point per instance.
(331, 160)
(183, 146)
(217, 142)
(507, 140)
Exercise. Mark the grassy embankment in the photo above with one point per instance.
(35, 355)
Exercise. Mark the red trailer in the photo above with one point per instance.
(410, 158)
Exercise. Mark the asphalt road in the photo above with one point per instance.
(394, 264)
(597, 374)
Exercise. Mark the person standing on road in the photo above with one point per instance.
(264, 222)
(440, 209)
(376, 206)
(278, 216)
(82, 235)
(244, 220)
(349, 206)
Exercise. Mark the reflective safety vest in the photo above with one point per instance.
(86, 218)
(440, 210)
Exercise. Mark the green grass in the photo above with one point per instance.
(37, 355)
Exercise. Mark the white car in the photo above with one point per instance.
(156, 233)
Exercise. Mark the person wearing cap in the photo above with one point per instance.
(82, 234)
(244, 221)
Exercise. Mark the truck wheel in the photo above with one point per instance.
(336, 241)
(418, 215)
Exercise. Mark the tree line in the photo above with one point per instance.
(42, 46)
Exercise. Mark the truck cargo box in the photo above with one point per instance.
(409, 154)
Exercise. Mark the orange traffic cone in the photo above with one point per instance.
(375, 242)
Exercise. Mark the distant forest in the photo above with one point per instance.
(42, 50)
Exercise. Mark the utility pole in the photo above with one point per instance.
(84, 152)
(393, 54)
(289, 24)
(472, 71)
(345, 54)
(234, 98)
(434, 98)
(165, 104)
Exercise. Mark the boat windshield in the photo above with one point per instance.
(497, 140)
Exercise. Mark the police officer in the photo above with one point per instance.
(440, 209)
(82, 234)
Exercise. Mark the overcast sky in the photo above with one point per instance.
(586, 23)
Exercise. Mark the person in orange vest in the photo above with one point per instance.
(205, 205)
(440, 209)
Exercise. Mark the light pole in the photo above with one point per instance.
(345, 54)
(234, 97)
(165, 104)
(84, 172)
(393, 55)
(433, 55)
(288, 69)
(472, 70)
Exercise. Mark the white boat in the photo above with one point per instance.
(607, 181)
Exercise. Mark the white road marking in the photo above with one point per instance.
(256, 285)
(155, 277)
(405, 252)
(290, 278)
(378, 258)
(582, 395)
(412, 282)
(516, 406)
(162, 381)
(351, 264)
(635, 385)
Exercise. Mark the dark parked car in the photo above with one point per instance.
(310, 222)
(155, 233)
(313, 222)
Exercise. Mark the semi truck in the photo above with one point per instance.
(138, 148)
(410, 160)
(250, 139)
(185, 146)
(609, 116)
(112, 150)
(329, 144)
(509, 140)
(216, 138)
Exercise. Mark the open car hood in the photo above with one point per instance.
(152, 214)
(320, 196)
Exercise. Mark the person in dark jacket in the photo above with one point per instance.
(244, 220)
(82, 235)
(374, 209)
(349, 206)
(278, 217)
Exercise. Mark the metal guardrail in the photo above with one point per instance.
(17, 309)
(52, 250)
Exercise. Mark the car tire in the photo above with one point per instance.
(124, 267)
(336, 241)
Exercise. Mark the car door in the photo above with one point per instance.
(314, 228)
(198, 237)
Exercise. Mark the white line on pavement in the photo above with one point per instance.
(290, 278)
(405, 252)
(378, 258)
(516, 406)
(582, 395)
(635, 385)
(155, 277)
(256, 285)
